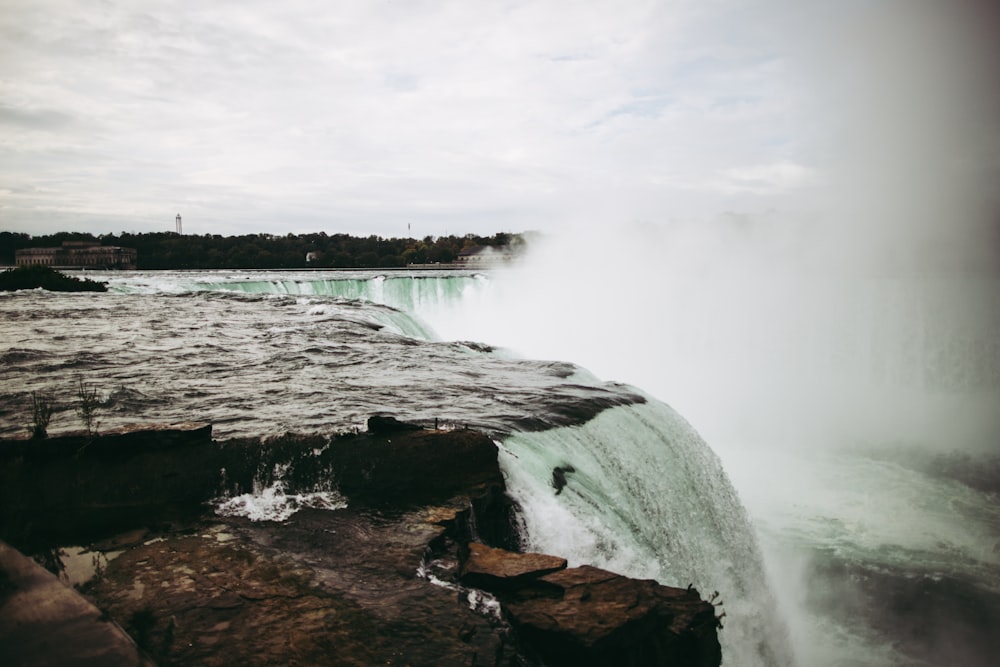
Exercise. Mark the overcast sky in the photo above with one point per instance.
(431, 117)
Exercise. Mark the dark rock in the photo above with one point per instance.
(498, 570)
(79, 488)
(381, 425)
(37, 276)
(115, 445)
(559, 477)
(65, 490)
(588, 616)
(493, 519)
(44, 622)
(414, 467)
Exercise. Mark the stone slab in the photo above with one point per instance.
(44, 623)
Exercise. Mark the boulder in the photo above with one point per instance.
(497, 570)
(589, 616)
(44, 622)
(381, 424)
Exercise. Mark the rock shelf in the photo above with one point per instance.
(392, 579)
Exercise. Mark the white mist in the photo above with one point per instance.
(869, 318)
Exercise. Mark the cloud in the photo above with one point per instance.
(33, 118)
(363, 117)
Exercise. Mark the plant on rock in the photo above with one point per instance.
(87, 409)
(42, 407)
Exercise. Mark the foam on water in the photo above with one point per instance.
(273, 503)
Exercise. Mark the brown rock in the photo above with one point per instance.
(498, 570)
(44, 622)
(588, 616)
(327, 588)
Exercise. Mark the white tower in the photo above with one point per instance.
(178, 223)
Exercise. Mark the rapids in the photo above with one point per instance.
(253, 360)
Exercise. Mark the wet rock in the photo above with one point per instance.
(114, 445)
(589, 616)
(492, 519)
(497, 570)
(414, 467)
(44, 277)
(380, 425)
(76, 487)
(44, 622)
(326, 588)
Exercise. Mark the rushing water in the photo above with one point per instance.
(252, 359)
(873, 560)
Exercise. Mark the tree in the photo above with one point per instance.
(167, 250)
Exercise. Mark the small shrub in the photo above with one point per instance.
(42, 407)
(87, 409)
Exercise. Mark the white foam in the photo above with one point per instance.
(274, 504)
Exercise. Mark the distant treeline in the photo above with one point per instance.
(168, 250)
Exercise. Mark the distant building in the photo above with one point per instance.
(79, 255)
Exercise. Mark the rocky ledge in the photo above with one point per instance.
(588, 616)
(401, 576)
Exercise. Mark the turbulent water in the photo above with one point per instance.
(873, 559)
(252, 359)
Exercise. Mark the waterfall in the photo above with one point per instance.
(827, 394)
(403, 292)
(646, 497)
